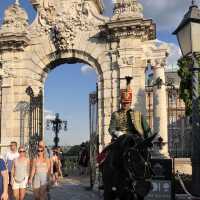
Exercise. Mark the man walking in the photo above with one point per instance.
(11, 155)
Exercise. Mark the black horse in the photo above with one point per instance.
(126, 170)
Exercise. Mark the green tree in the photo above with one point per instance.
(185, 73)
(74, 150)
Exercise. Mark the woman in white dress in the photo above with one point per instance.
(20, 173)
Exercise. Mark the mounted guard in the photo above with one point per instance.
(127, 120)
(125, 163)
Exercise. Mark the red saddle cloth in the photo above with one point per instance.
(102, 156)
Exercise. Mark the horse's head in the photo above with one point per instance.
(136, 158)
(136, 162)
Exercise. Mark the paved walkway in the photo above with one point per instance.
(76, 188)
(72, 189)
(186, 197)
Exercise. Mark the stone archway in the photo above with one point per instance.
(70, 32)
(75, 56)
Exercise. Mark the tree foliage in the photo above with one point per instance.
(75, 150)
(185, 73)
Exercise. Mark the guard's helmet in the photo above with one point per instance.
(126, 96)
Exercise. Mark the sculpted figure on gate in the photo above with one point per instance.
(63, 24)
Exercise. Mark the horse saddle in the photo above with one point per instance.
(101, 157)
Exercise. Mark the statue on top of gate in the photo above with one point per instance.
(15, 19)
(127, 9)
(127, 120)
(13, 31)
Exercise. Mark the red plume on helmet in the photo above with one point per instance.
(126, 95)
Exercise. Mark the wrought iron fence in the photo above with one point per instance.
(70, 165)
(179, 127)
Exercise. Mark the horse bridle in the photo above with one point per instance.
(132, 177)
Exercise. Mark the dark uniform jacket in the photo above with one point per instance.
(129, 121)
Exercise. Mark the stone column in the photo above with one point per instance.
(160, 106)
(108, 109)
(7, 115)
(116, 89)
(100, 112)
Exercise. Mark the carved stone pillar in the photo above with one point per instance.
(160, 106)
(100, 112)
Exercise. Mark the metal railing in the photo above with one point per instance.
(70, 165)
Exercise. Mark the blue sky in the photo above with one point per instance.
(69, 97)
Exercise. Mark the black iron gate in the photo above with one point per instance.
(93, 112)
(35, 119)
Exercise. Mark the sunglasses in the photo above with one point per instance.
(22, 151)
(40, 150)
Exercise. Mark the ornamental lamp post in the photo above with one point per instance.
(57, 125)
(188, 34)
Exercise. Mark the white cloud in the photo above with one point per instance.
(85, 69)
(174, 53)
(48, 114)
(166, 13)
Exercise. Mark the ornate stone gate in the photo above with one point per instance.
(75, 31)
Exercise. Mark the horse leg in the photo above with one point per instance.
(108, 193)
(138, 197)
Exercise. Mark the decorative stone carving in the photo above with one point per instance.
(15, 19)
(13, 33)
(69, 25)
(127, 9)
(140, 29)
(64, 25)
(128, 60)
(161, 62)
(6, 73)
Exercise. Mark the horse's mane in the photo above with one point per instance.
(124, 141)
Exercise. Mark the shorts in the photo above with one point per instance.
(20, 185)
(40, 180)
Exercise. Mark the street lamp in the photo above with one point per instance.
(57, 125)
(188, 33)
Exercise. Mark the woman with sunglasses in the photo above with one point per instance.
(20, 173)
(40, 172)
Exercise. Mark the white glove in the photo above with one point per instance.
(118, 133)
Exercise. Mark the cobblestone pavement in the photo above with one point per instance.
(72, 189)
